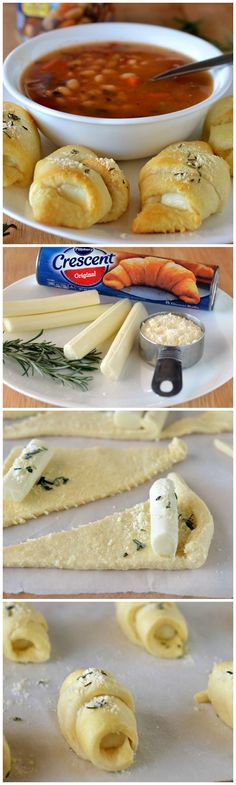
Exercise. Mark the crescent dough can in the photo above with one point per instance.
(169, 282)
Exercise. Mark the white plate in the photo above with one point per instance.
(178, 742)
(133, 390)
(216, 229)
(206, 470)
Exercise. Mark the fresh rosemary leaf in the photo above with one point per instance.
(7, 227)
(49, 484)
(139, 544)
(28, 455)
(47, 359)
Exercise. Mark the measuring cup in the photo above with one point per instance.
(169, 361)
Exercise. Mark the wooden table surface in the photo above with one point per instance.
(20, 262)
(217, 26)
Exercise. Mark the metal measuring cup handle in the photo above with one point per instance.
(168, 368)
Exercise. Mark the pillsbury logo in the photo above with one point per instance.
(82, 266)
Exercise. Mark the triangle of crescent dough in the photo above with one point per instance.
(89, 424)
(102, 545)
(206, 422)
(93, 473)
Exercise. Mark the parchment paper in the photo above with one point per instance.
(178, 741)
(208, 472)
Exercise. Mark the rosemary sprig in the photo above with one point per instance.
(7, 227)
(47, 359)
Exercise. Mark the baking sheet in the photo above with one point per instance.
(178, 741)
(208, 471)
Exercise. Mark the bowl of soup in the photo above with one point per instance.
(93, 86)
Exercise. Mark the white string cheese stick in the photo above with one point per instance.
(63, 302)
(49, 321)
(224, 447)
(154, 421)
(115, 359)
(93, 335)
(164, 518)
(128, 420)
(26, 470)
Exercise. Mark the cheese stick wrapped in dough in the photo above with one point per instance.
(159, 627)
(21, 145)
(218, 129)
(73, 187)
(96, 716)
(180, 187)
(25, 633)
(220, 691)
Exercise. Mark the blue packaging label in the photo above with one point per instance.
(81, 268)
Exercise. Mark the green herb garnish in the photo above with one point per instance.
(98, 705)
(47, 359)
(9, 609)
(28, 455)
(49, 484)
(125, 554)
(6, 228)
(139, 544)
(17, 719)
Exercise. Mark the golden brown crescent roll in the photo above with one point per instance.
(73, 187)
(180, 187)
(96, 715)
(6, 759)
(218, 129)
(220, 691)
(21, 145)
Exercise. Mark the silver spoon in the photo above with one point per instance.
(190, 68)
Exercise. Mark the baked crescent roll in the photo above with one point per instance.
(25, 634)
(151, 271)
(96, 715)
(180, 187)
(21, 145)
(220, 691)
(218, 129)
(158, 627)
(6, 759)
(73, 187)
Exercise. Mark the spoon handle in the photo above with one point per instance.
(225, 59)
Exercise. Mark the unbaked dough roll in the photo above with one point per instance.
(180, 187)
(159, 627)
(220, 691)
(25, 634)
(6, 759)
(96, 715)
(21, 145)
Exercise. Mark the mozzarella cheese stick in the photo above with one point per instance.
(130, 420)
(224, 447)
(26, 470)
(93, 335)
(49, 321)
(155, 421)
(113, 363)
(62, 302)
(164, 518)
